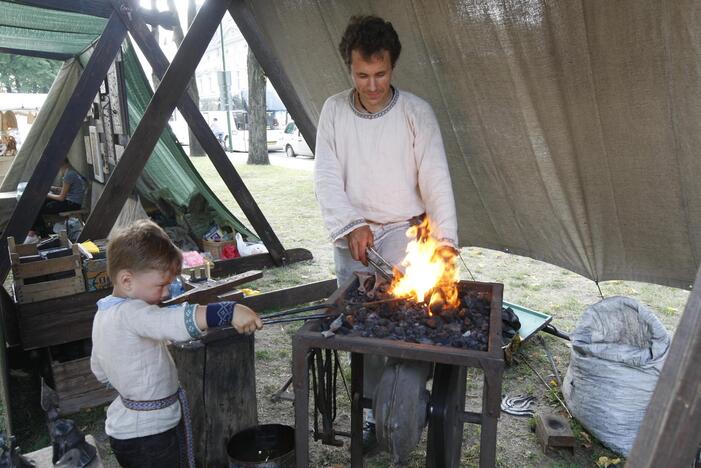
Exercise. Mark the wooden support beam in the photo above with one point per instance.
(246, 22)
(159, 63)
(670, 433)
(36, 53)
(291, 297)
(155, 118)
(62, 138)
(256, 262)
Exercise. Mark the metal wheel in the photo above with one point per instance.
(445, 429)
(290, 152)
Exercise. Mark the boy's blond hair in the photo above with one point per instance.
(140, 247)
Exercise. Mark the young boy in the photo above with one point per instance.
(130, 334)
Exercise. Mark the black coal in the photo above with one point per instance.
(371, 312)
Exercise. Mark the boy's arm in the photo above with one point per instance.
(185, 321)
(222, 314)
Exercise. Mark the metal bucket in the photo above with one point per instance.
(263, 446)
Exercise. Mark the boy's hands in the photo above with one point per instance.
(245, 320)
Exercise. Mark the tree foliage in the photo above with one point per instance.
(22, 74)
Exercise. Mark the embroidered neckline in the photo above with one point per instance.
(109, 301)
(388, 107)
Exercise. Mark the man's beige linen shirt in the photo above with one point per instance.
(382, 168)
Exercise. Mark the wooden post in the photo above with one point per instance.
(670, 433)
(246, 22)
(62, 137)
(220, 383)
(159, 63)
(155, 118)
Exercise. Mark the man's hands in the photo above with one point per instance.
(245, 320)
(359, 240)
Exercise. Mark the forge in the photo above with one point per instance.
(370, 311)
(403, 329)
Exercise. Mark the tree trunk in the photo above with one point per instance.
(257, 135)
(178, 36)
(155, 81)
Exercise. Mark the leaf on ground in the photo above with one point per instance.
(605, 462)
(587, 438)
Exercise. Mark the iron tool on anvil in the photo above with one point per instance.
(380, 166)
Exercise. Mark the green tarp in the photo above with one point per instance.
(30, 28)
(168, 176)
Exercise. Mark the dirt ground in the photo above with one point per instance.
(286, 197)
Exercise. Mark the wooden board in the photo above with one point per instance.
(210, 291)
(256, 262)
(291, 297)
(59, 320)
(670, 434)
(77, 386)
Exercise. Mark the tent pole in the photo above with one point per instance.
(36, 53)
(246, 22)
(159, 63)
(670, 433)
(62, 138)
(162, 104)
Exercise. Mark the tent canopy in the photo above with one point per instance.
(572, 128)
(168, 176)
(34, 29)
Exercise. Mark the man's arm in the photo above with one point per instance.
(339, 215)
(434, 176)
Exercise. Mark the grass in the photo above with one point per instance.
(286, 198)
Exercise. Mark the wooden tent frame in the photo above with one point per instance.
(671, 431)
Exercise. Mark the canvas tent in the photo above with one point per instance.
(570, 130)
(169, 176)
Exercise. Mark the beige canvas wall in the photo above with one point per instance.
(573, 129)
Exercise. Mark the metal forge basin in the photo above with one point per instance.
(447, 414)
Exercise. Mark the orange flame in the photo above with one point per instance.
(428, 269)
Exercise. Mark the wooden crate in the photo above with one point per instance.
(26, 293)
(215, 247)
(77, 386)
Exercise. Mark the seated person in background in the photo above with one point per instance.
(67, 197)
(145, 423)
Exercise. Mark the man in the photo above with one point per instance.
(380, 161)
(217, 130)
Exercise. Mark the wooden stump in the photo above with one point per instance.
(220, 382)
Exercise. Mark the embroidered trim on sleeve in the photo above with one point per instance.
(347, 228)
(190, 324)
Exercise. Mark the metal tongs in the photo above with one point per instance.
(217, 334)
(382, 266)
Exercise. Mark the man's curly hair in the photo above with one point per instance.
(369, 35)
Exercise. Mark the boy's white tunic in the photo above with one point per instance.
(129, 351)
(382, 168)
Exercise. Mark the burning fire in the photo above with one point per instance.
(428, 270)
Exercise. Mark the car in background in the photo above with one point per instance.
(293, 142)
